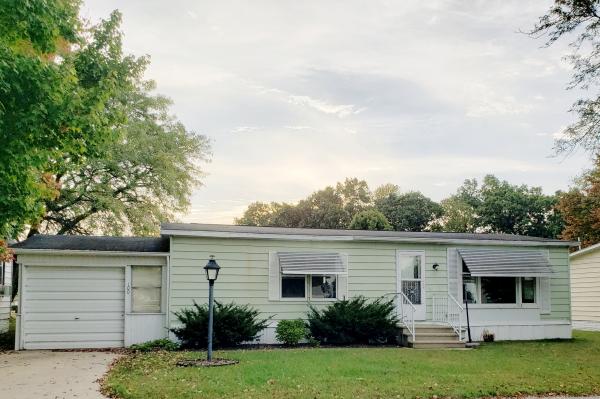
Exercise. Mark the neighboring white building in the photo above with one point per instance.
(78, 291)
(5, 294)
(585, 288)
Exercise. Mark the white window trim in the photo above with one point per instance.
(129, 291)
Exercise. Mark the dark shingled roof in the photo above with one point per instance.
(95, 243)
(168, 228)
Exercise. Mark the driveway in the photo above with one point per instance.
(53, 375)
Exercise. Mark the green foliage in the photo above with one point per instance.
(500, 207)
(163, 344)
(75, 114)
(410, 211)
(290, 332)
(355, 321)
(370, 219)
(330, 208)
(7, 338)
(580, 208)
(581, 19)
(233, 324)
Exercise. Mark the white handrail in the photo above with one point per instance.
(455, 310)
(407, 318)
(449, 311)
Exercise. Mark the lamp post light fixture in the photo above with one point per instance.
(212, 272)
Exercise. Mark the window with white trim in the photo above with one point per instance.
(146, 289)
(499, 290)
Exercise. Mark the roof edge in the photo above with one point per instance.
(357, 237)
(37, 251)
(583, 251)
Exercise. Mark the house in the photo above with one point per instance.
(585, 288)
(108, 291)
(5, 294)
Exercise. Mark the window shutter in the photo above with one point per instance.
(545, 296)
(342, 281)
(274, 278)
(454, 271)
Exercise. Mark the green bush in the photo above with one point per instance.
(290, 332)
(355, 321)
(233, 324)
(156, 345)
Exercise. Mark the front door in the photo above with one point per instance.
(410, 268)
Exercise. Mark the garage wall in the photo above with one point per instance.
(74, 301)
(585, 286)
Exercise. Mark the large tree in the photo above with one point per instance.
(496, 206)
(580, 20)
(411, 211)
(86, 146)
(580, 208)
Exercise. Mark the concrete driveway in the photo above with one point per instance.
(54, 375)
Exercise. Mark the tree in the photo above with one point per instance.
(370, 219)
(385, 190)
(580, 208)
(138, 181)
(500, 207)
(580, 18)
(87, 145)
(410, 211)
(329, 208)
(59, 100)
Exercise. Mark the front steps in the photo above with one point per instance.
(428, 336)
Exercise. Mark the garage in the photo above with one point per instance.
(73, 307)
(76, 292)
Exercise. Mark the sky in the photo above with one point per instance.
(298, 95)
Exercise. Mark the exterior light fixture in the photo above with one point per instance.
(435, 266)
(212, 272)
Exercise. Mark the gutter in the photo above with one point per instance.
(26, 251)
(359, 238)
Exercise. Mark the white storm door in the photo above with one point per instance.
(410, 269)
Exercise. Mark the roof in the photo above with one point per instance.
(93, 243)
(233, 231)
(589, 249)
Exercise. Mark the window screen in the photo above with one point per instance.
(146, 287)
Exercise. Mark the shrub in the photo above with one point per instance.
(355, 321)
(156, 345)
(233, 324)
(290, 332)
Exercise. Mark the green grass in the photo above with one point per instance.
(7, 338)
(511, 368)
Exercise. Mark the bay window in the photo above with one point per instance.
(499, 290)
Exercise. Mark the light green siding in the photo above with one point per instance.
(371, 272)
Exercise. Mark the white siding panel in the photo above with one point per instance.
(73, 307)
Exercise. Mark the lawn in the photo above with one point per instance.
(510, 368)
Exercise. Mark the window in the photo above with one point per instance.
(146, 287)
(323, 287)
(293, 286)
(528, 289)
(320, 286)
(498, 290)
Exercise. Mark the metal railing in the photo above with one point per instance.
(449, 311)
(407, 313)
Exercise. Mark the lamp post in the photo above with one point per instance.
(212, 272)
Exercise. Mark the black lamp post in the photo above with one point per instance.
(212, 272)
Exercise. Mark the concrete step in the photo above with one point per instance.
(435, 344)
(430, 330)
(434, 336)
